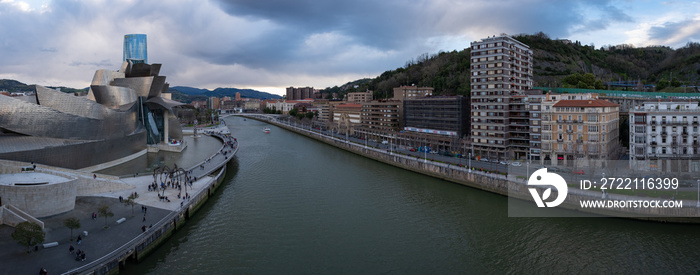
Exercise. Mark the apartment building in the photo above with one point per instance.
(412, 92)
(300, 93)
(534, 109)
(501, 69)
(438, 122)
(664, 136)
(579, 130)
(360, 97)
(380, 118)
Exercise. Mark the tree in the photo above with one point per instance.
(72, 223)
(662, 84)
(293, 112)
(131, 201)
(104, 211)
(28, 234)
(675, 82)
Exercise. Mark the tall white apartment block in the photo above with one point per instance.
(501, 70)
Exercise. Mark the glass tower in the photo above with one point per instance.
(135, 48)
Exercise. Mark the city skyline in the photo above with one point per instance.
(271, 45)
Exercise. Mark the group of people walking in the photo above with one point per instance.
(79, 254)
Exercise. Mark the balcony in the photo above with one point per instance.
(664, 133)
(560, 140)
(695, 122)
(653, 122)
(653, 143)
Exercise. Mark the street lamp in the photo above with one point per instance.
(698, 204)
(391, 145)
(529, 158)
(469, 169)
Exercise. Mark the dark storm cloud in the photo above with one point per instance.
(255, 42)
(406, 25)
(376, 23)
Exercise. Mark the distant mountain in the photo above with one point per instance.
(12, 86)
(188, 94)
(189, 90)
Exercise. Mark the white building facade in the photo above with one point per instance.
(664, 136)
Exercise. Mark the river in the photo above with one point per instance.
(294, 205)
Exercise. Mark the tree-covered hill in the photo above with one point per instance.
(557, 62)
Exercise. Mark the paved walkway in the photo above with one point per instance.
(100, 240)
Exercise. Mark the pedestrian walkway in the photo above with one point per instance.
(101, 241)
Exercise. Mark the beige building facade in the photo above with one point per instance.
(576, 131)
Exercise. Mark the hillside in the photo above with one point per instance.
(189, 94)
(13, 86)
(554, 60)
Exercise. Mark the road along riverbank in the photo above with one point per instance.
(498, 183)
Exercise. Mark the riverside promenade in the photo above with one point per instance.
(108, 244)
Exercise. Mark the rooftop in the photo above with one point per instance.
(585, 103)
(35, 178)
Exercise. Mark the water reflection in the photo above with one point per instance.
(197, 150)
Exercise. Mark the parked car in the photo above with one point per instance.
(484, 159)
(412, 149)
(494, 161)
(516, 164)
(503, 162)
(578, 172)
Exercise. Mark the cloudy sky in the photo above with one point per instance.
(269, 45)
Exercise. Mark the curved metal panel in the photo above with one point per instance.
(140, 85)
(67, 103)
(165, 103)
(113, 96)
(35, 120)
(156, 86)
(165, 89)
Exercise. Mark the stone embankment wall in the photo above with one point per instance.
(499, 184)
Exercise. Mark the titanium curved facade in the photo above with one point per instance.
(123, 113)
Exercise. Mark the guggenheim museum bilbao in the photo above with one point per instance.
(124, 111)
